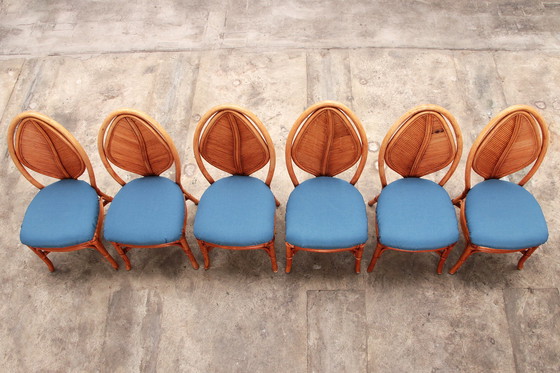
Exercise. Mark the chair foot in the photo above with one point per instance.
(187, 250)
(122, 253)
(377, 253)
(204, 250)
(358, 255)
(101, 249)
(43, 255)
(443, 257)
(272, 254)
(526, 254)
(466, 253)
(289, 255)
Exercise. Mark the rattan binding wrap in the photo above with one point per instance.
(325, 140)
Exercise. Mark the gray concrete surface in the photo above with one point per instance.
(77, 61)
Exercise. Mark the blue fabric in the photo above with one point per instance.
(504, 215)
(326, 213)
(146, 211)
(62, 214)
(236, 211)
(416, 214)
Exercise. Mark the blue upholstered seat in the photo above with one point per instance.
(146, 211)
(326, 213)
(236, 211)
(504, 215)
(62, 214)
(416, 214)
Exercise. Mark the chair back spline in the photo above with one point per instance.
(327, 143)
(135, 145)
(423, 144)
(513, 144)
(231, 143)
(42, 148)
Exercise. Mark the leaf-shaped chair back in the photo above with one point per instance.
(325, 140)
(233, 140)
(424, 140)
(135, 142)
(511, 141)
(39, 143)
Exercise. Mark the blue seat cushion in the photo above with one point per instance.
(236, 211)
(504, 215)
(326, 213)
(416, 214)
(146, 211)
(62, 214)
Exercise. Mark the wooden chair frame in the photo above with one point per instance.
(357, 250)
(260, 132)
(460, 201)
(394, 132)
(14, 143)
(156, 129)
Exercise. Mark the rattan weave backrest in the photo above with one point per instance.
(41, 147)
(326, 139)
(424, 140)
(233, 140)
(39, 143)
(513, 143)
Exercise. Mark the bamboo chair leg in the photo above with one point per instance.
(526, 254)
(187, 250)
(443, 257)
(358, 255)
(376, 255)
(468, 251)
(289, 256)
(101, 249)
(192, 198)
(204, 250)
(123, 255)
(43, 257)
(272, 254)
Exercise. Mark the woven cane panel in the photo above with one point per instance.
(423, 145)
(232, 143)
(512, 145)
(134, 145)
(327, 144)
(44, 150)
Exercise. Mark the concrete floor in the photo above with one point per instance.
(77, 61)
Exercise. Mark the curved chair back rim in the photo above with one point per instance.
(107, 127)
(256, 127)
(487, 130)
(13, 137)
(302, 120)
(405, 119)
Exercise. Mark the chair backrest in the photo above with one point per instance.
(326, 139)
(135, 142)
(511, 141)
(41, 144)
(233, 140)
(424, 140)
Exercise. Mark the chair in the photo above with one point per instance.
(498, 216)
(326, 214)
(415, 214)
(150, 211)
(236, 212)
(66, 215)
